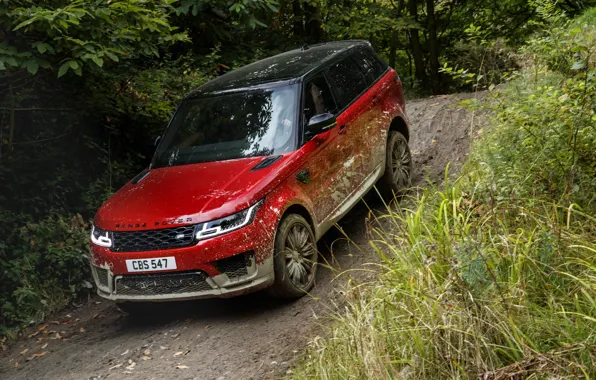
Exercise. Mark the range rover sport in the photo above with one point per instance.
(253, 168)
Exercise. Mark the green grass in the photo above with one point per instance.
(492, 275)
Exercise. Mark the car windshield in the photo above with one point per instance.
(230, 126)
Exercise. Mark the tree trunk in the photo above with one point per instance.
(410, 66)
(314, 27)
(433, 47)
(371, 37)
(415, 45)
(393, 48)
(395, 36)
(298, 19)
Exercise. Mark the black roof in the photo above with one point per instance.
(293, 64)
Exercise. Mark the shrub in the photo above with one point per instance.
(44, 265)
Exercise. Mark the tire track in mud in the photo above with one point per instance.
(241, 338)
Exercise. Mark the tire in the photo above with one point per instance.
(295, 258)
(398, 166)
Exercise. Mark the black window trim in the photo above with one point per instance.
(320, 70)
(325, 68)
(350, 55)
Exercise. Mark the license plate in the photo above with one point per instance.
(146, 265)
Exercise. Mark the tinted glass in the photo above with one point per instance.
(348, 82)
(379, 66)
(371, 66)
(317, 98)
(225, 127)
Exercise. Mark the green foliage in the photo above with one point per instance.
(553, 118)
(493, 276)
(71, 35)
(44, 264)
(247, 12)
(479, 64)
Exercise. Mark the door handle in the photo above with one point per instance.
(342, 129)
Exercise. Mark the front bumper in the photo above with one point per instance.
(179, 286)
(224, 266)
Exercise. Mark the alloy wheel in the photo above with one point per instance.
(299, 253)
(401, 161)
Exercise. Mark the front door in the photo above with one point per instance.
(327, 152)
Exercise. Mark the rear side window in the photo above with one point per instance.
(347, 80)
(317, 98)
(371, 66)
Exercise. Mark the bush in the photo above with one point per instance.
(493, 276)
(491, 61)
(44, 265)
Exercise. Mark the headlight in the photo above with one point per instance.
(228, 223)
(101, 237)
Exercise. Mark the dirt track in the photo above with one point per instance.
(241, 338)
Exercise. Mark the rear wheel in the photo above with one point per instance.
(398, 165)
(295, 258)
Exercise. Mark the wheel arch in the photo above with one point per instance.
(398, 124)
(299, 209)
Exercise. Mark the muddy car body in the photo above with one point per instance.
(254, 167)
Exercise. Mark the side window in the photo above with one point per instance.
(379, 66)
(347, 81)
(317, 98)
(371, 66)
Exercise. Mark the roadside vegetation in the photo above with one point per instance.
(491, 275)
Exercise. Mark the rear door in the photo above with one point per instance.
(374, 139)
(349, 85)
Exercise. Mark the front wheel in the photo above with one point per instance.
(295, 258)
(398, 165)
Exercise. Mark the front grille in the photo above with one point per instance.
(158, 284)
(135, 241)
(102, 276)
(235, 266)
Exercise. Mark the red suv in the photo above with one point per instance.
(254, 167)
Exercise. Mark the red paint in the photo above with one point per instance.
(191, 194)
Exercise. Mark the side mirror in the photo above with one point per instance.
(320, 123)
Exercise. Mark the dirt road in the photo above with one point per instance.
(241, 338)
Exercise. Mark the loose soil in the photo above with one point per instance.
(249, 337)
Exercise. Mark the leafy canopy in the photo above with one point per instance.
(71, 35)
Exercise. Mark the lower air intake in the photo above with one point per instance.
(160, 284)
(102, 276)
(235, 266)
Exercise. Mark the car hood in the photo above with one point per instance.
(188, 194)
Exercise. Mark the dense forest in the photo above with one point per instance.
(86, 84)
